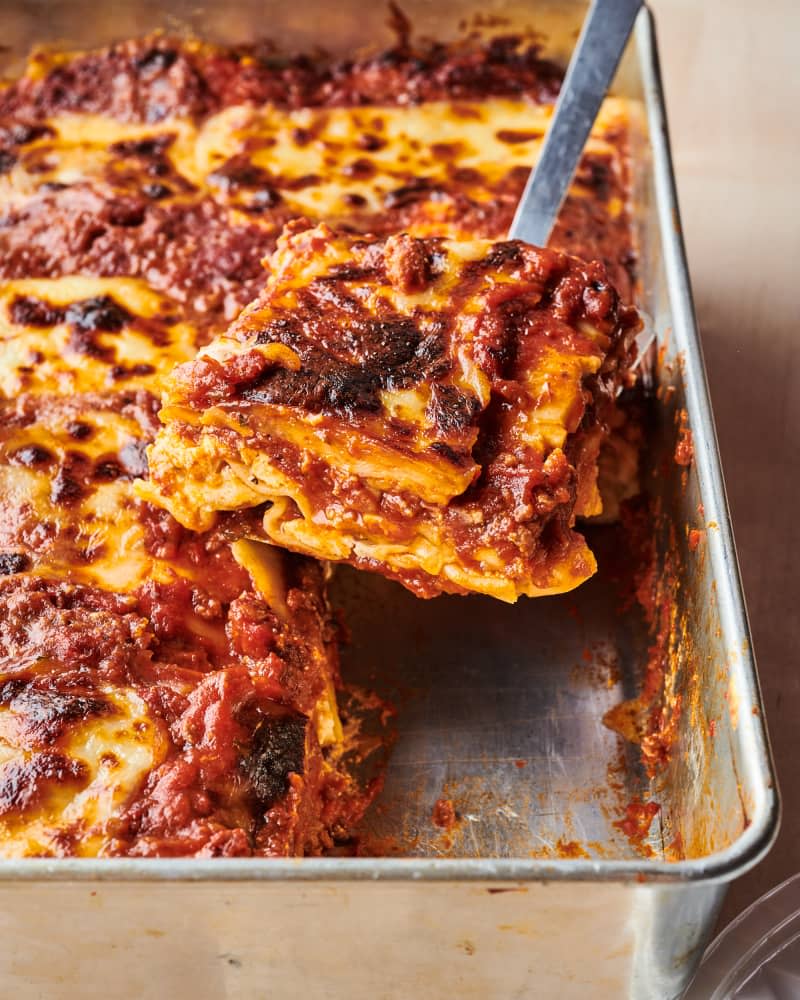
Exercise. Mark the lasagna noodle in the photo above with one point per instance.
(428, 408)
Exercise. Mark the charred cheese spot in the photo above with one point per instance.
(37, 716)
(24, 782)
(84, 146)
(277, 751)
(13, 562)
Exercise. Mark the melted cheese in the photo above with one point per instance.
(116, 752)
(418, 141)
(96, 539)
(45, 359)
(316, 157)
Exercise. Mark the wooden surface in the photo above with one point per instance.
(732, 78)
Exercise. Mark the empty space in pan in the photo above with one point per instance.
(499, 711)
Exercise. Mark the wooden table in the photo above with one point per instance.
(732, 78)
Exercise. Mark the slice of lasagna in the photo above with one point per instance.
(426, 408)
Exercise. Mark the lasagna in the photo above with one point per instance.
(428, 408)
(171, 690)
(161, 692)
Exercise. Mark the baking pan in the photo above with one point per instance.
(537, 892)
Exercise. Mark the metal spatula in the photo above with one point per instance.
(605, 31)
(597, 54)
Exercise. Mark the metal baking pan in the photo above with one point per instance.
(537, 893)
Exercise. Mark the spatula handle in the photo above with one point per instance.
(597, 54)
